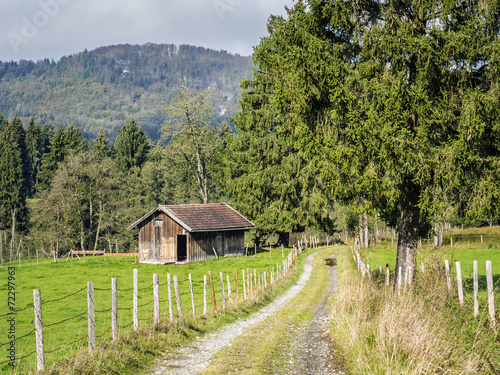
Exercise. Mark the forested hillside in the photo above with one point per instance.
(104, 87)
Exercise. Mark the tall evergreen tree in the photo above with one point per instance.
(396, 102)
(131, 146)
(34, 145)
(3, 122)
(274, 186)
(13, 210)
(47, 134)
(16, 129)
(102, 146)
(63, 142)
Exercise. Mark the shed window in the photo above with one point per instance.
(158, 223)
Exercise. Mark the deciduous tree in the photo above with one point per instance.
(195, 138)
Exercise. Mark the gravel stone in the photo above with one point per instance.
(312, 354)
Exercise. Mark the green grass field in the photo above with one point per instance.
(69, 278)
(466, 248)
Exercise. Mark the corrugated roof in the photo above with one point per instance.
(202, 217)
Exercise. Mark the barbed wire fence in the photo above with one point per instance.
(210, 296)
(452, 277)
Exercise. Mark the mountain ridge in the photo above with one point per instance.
(108, 85)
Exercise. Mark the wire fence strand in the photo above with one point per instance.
(65, 320)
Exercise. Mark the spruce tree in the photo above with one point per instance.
(131, 146)
(3, 122)
(102, 146)
(34, 145)
(16, 129)
(395, 101)
(13, 210)
(63, 142)
(47, 134)
(274, 186)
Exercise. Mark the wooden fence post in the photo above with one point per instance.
(91, 315)
(491, 297)
(451, 241)
(387, 275)
(170, 303)
(177, 295)
(267, 276)
(136, 300)
(223, 294)
(250, 283)
(448, 277)
(255, 280)
(192, 294)
(476, 289)
(40, 353)
(265, 280)
(204, 294)
(248, 280)
(236, 285)
(156, 298)
(481, 240)
(255, 249)
(244, 286)
(114, 309)
(213, 291)
(229, 296)
(459, 284)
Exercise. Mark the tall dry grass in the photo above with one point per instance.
(417, 330)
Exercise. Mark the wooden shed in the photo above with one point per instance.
(190, 233)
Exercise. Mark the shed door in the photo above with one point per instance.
(220, 244)
(181, 247)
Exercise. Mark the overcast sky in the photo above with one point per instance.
(35, 29)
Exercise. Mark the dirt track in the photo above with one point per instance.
(311, 353)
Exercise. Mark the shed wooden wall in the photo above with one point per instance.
(201, 244)
(159, 244)
(163, 249)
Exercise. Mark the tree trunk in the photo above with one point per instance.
(1, 248)
(361, 232)
(284, 239)
(98, 227)
(82, 237)
(202, 178)
(365, 224)
(257, 238)
(408, 233)
(12, 239)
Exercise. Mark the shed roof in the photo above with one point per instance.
(202, 217)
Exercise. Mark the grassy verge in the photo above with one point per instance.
(56, 280)
(269, 347)
(420, 330)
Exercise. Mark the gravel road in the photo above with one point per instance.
(313, 353)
